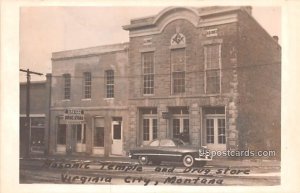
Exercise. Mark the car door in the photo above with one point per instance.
(169, 150)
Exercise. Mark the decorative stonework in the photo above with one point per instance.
(177, 39)
(232, 132)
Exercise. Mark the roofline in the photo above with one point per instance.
(95, 50)
(203, 13)
(34, 82)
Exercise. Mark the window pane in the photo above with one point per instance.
(213, 81)
(176, 128)
(67, 86)
(186, 125)
(209, 130)
(178, 70)
(178, 60)
(145, 111)
(212, 56)
(109, 84)
(221, 131)
(167, 143)
(79, 132)
(37, 136)
(154, 128)
(178, 82)
(148, 71)
(215, 110)
(146, 129)
(87, 85)
(212, 66)
(37, 121)
(154, 143)
(61, 134)
(99, 137)
(117, 131)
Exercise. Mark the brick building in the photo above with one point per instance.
(209, 74)
(91, 80)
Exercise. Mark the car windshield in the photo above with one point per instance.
(154, 143)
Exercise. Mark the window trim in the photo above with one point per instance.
(181, 118)
(93, 132)
(106, 84)
(65, 76)
(171, 67)
(150, 117)
(219, 69)
(84, 86)
(143, 75)
(215, 117)
(60, 119)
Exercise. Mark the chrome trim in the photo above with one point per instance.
(157, 154)
(202, 159)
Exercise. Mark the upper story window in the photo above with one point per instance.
(67, 86)
(87, 85)
(212, 60)
(178, 70)
(148, 72)
(110, 83)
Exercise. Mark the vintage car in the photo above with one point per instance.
(171, 150)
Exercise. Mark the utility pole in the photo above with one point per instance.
(27, 128)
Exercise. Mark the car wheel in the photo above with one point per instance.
(156, 162)
(188, 160)
(143, 159)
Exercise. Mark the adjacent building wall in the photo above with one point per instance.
(38, 109)
(259, 87)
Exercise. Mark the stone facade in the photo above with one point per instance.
(227, 26)
(199, 72)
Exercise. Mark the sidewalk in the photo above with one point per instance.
(220, 162)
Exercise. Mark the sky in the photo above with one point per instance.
(44, 30)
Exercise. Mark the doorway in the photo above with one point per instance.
(215, 132)
(117, 135)
(79, 137)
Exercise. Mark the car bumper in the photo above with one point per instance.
(203, 158)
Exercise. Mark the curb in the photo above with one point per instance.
(217, 163)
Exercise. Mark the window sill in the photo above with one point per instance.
(107, 99)
(66, 100)
(212, 94)
(86, 99)
(179, 94)
(148, 95)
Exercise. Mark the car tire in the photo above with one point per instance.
(188, 160)
(143, 159)
(156, 162)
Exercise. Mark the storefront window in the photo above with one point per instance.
(99, 137)
(99, 132)
(61, 134)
